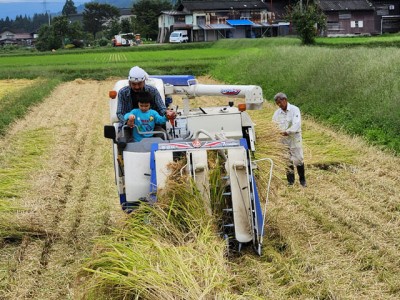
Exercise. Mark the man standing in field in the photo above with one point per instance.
(128, 97)
(288, 118)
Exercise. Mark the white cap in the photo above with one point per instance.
(137, 74)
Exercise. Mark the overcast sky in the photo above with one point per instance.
(38, 1)
(13, 8)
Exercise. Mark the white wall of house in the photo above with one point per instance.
(165, 21)
(189, 19)
(7, 35)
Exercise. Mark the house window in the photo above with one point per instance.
(208, 19)
(356, 24)
(333, 26)
(201, 20)
(344, 16)
(245, 15)
(222, 20)
(180, 19)
(264, 17)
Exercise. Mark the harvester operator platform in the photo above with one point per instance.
(128, 98)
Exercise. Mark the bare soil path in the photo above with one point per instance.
(337, 239)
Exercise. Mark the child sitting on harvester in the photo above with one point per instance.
(144, 118)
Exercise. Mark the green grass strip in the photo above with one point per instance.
(355, 89)
(18, 103)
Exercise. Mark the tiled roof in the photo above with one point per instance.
(343, 5)
(173, 13)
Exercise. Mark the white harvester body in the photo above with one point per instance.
(141, 168)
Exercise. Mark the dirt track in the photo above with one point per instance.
(339, 236)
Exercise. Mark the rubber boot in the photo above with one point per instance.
(302, 176)
(290, 175)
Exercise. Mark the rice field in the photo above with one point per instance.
(65, 237)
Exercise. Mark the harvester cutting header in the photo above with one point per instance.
(195, 134)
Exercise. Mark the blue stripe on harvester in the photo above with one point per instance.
(153, 176)
(260, 220)
(122, 198)
(177, 80)
(243, 143)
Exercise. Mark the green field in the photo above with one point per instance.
(354, 88)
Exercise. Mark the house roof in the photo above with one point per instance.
(125, 11)
(240, 22)
(215, 26)
(340, 5)
(173, 13)
(278, 7)
(11, 35)
(221, 5)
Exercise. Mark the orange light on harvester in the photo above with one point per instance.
(242, 106)
(112, 94)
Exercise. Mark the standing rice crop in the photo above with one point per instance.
(172, 250)
(169, 251)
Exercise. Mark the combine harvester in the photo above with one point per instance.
(141, 168)
(123, 40)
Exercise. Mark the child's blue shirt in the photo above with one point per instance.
(144, 122)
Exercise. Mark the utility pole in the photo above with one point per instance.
(46, 10)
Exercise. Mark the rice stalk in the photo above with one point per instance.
(17, 161)
(169, 251)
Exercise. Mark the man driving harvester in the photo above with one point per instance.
(128, 98)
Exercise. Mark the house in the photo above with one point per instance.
(213, 20)
(361, 17)
(15, 37)
(124, 14)
(387, 15)
(349, 17)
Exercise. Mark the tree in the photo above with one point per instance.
(76, 34)
(113, 28)
(60, 28)
(47, 40)
(126, 26)
(96, 15)
(307, 19)
(54, 36)
(24, 23)
(147, 12)
(38, 20)
(69, 8)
